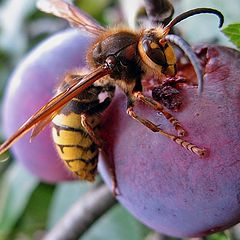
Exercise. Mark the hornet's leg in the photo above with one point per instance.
(187, 145)
(96, 139)
(158, 107)
(101, 146)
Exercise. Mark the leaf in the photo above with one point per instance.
(17, 186)
(116, 224)
(218, 236)
(32, 223)
(232, 31)
(94, 8)
(65, 195)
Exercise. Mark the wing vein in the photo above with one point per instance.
(54, 105)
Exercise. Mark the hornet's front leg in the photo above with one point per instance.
(150, 102)
(158, 107)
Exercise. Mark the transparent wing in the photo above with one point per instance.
(48, 111)
(74, 15)
(69, 80)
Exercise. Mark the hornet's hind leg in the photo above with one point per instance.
(96, 138)
(102, 148)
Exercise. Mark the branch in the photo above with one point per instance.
(157, 236)
(234, 232)
(82, 215)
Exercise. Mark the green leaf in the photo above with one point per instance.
(93, 7)
(116, 224)
(232, 31)
(16, 188)
(218, 236)
(32, 223)
(64, 196)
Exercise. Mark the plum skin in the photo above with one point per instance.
(31, 85)
(169, 189)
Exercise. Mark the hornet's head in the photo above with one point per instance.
(157, 53)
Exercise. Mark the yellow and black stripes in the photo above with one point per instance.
(74, 145)
(73, 129)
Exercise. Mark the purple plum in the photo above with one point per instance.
(165, 186)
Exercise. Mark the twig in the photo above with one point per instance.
(234, 232)
(82, 215)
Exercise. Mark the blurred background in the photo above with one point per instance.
(22, 27)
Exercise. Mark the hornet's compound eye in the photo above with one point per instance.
(155, 52)
(157, 55)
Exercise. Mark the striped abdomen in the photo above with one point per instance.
(74, 145)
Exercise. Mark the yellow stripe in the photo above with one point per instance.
(70, 153)
(87, 177)
(76, 166)
(71, 120)
(84, 175)
(71, 138)
(79, 166)
(74, 120)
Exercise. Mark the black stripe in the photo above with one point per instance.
(79, 107)
(92, 147)
(92, 171)
(70, 129)
(92, 160)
